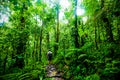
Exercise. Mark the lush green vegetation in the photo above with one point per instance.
(82, 49)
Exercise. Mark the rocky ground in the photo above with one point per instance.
(53, 73)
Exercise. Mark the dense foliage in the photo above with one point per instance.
(82, 49)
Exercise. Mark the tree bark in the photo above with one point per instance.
(98, 32)
(96, 44)
(76, 35)
(57, 32)
(41, 30)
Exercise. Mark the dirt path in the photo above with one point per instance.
(53, 73)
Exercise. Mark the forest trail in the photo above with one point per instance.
(53, 73)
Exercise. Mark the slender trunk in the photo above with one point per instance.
(76, 28)
(40, 55)
(98, 32)
(33, 54)
(37, 48)
(35, 44)
(55, 51)
(96, 44)
(57, 37)
(35, 41)
(57, 32)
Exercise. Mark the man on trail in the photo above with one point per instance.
(49, 55)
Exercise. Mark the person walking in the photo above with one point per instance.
(49, 55)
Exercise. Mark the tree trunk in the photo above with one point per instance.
(57, 32)
(98, 32)
(76, 35)
(41, 30)
(34, 52)
(37, 49)
(35, 41)
(96, 44)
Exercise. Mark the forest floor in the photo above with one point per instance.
(51, 72)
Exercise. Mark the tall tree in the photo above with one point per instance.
(57, 31)
(76, 35)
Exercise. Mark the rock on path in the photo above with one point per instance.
(53, 73)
